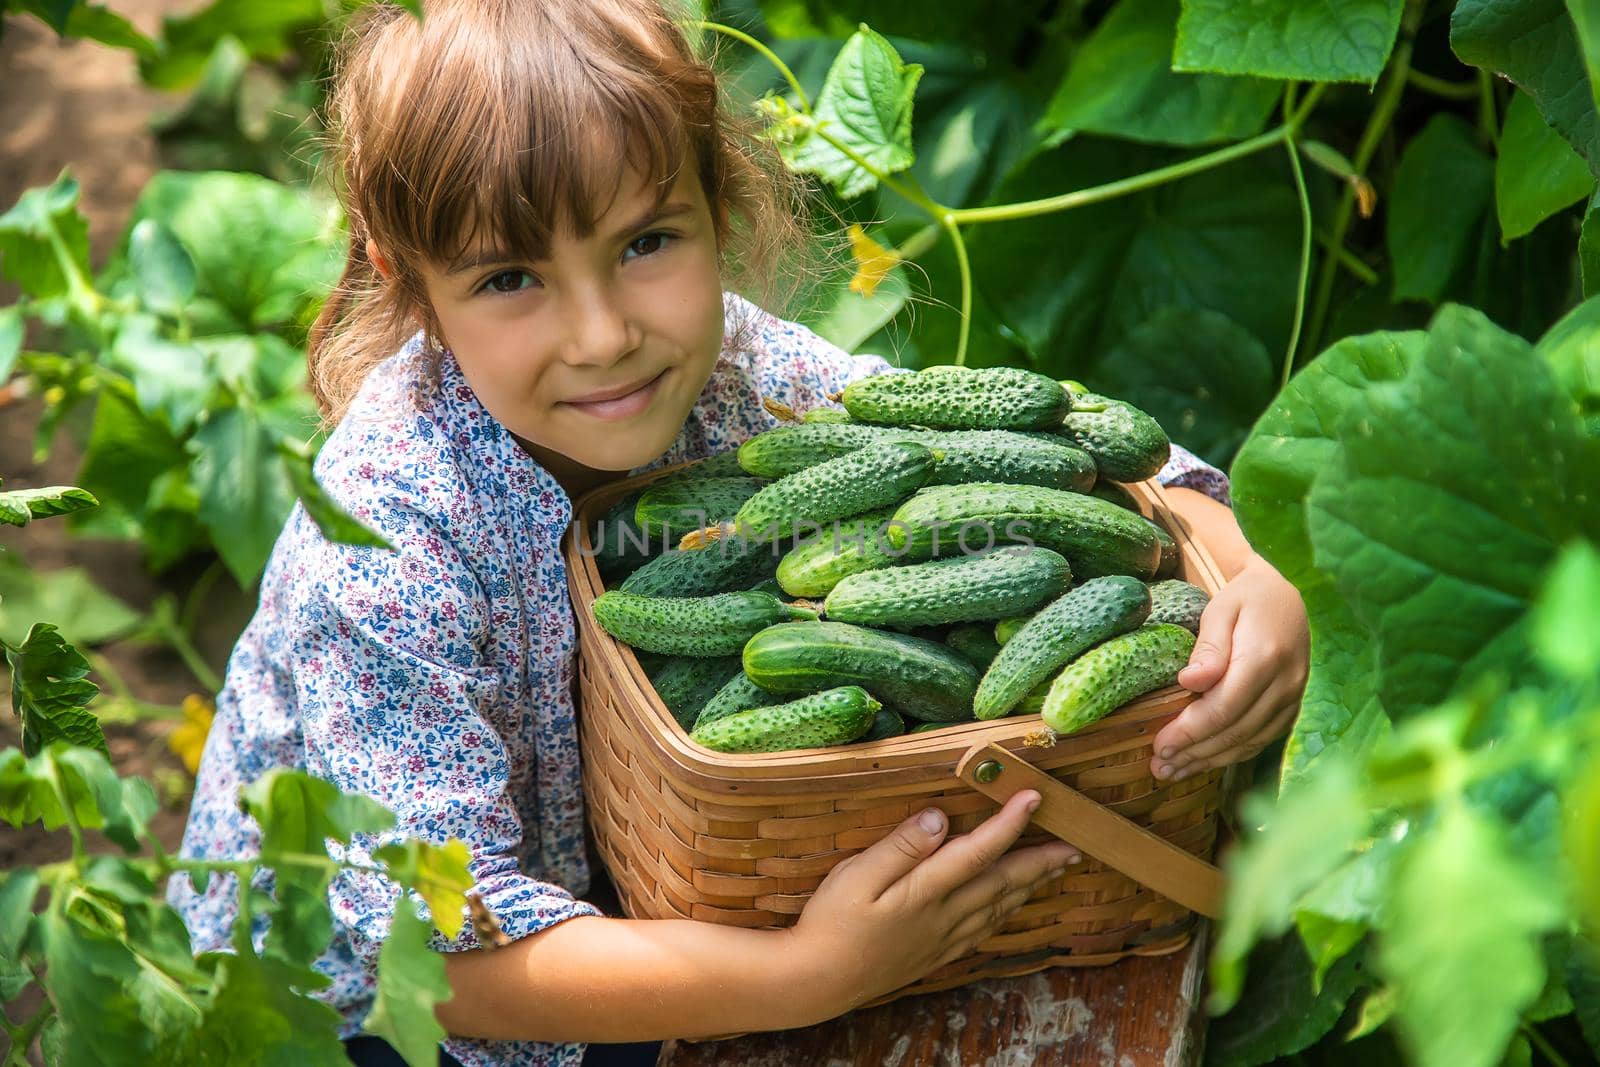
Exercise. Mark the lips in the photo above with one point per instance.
(614, 394)
(619, 404)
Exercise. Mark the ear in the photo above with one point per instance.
(377, 259)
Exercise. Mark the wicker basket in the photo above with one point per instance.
(686, 832)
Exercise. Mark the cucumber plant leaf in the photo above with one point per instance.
(1121, 82)
(1536, 172)
(1307, 40)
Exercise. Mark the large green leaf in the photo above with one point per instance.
(1204, 377)
(996, 31)
(1293, 443)
(18, 507)
(1571, 349)
(126, 454)
(1429, 235)
(865, 104)
(1534, 43)
(261, 1012)
(245, 494)
(1461, 942)
(1280, 1013)
(1310, 40)
(1536, 172)
(1121, 82)
(263, 252)
(1589, 249)
(1456, 487)
(1586, 20)
(1072, 284)
(265, 30)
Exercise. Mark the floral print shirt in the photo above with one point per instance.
(438, 678)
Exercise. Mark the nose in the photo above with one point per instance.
(600, 329)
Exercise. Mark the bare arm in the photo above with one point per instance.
(593, 979)
(882, 918)
(1213, 524)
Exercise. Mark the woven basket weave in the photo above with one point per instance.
(743, 840)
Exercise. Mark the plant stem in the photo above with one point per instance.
(794, 83)
(919, 242)
(965, 268)
(1544, 1046)
(71, 818)
(1301, 282)
(1450, 90)
(1348, 259)
(1377, 125)
(22, 1036)
(1488, 120)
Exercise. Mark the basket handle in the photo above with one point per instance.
(1113, 839)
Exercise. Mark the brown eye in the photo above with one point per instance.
(507, 281)
(659, 239)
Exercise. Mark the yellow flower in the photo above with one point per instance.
(873, 261)
(188, 740)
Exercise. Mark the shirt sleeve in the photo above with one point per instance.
(394, 694)
(1189, 471)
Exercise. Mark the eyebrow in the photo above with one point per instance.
(490, 256)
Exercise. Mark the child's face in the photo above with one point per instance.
(594, 357)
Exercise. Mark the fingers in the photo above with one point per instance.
(871, 872)
(1215, 712)
(1213, 646)
(963, 858)
(1248, 749)
(1021, 872)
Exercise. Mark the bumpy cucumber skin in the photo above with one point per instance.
(687, 682)
(953, 398)
(834, 717)
(887, 723)
(975, 642)
(847, 547)
(917, 677)
(873, 477)
(826, 415)
(1097, 537)
(1179, 603)
(1005, 581)
(718, 567)
(1097, 610)
(738, 694)
(692, 626)
(1109, 675)
(969, 455)
(1127, 444)
(673, 507)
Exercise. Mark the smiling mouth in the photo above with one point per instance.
(627, 404)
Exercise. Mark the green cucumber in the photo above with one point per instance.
(1127, 444)
(1112, 673)
(1097, 610)
(846, 547)
(1097, 537)
(958, 398)
(692, 626)
(620, 546)
(990, 585)
(887, 723)
(673, 507)
(873, 477)
(738, 694)
(687, 682)
(1178, 602)
(975, 642)
(833, 717)
(969, 455)
(826, 415)
(715, 568)
(1171, 558)
(919, 678)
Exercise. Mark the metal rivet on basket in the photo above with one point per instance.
(987, 771)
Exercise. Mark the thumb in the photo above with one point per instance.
(1212, 647)
(907, 845)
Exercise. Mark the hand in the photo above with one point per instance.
(1249, 663)
(893, 912)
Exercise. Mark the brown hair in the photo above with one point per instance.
(502, 117)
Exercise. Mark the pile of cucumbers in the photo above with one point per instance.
(955, 544)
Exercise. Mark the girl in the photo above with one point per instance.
(545, 200)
